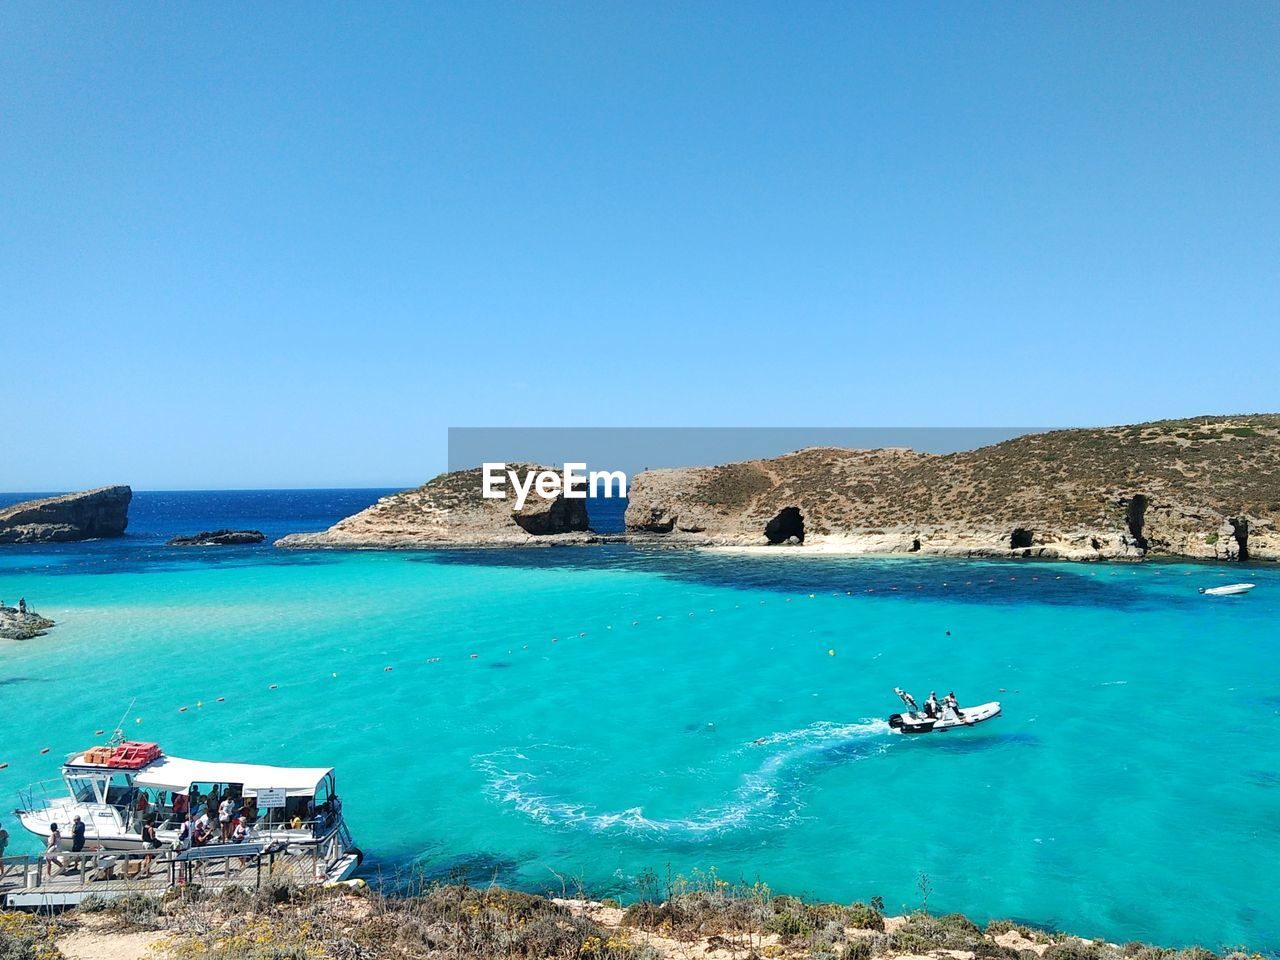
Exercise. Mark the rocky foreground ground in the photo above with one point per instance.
(708, 920)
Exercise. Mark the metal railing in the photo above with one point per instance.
(112, 873)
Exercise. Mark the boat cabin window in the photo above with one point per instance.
(116, 789)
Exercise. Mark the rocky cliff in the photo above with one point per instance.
(103, 512)
(1205, 488)
(450, 511)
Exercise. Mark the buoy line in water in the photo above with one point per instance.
(200, 704)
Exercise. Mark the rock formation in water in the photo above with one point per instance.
(103, 512)
(450, 511)
(218, 538)
(1207, 488)
(16, 625)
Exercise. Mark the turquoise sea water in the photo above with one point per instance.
(592, 713)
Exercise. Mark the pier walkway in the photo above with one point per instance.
(27, 882)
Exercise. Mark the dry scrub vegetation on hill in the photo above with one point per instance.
(703, 919)
(1207, 488)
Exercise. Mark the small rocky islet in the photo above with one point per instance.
(16, 624)
(218, 538)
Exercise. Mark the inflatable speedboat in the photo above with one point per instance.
(946, 717)
(1230, 590)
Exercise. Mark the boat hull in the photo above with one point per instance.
(922, 723)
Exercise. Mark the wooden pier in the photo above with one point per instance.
(29, 883)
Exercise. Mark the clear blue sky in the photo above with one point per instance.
(275, 245)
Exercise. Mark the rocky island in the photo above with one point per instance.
(18, 624)
(88, 515)
(1205, 488)
(218, 538)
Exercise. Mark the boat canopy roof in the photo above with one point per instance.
(176, 775)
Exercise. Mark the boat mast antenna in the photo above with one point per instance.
(117, 735)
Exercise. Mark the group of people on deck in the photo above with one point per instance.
(221, 816)
(947, 709)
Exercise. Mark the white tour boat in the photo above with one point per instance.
(115, 790)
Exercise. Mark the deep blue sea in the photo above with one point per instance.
(590, 713)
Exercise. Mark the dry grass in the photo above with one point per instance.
(704, 918)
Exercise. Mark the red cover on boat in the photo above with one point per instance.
(133, 754)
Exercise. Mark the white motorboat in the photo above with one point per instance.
(1229, 590)
(115, 789)
(940, 718)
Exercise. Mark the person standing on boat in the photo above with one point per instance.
(931, 705)
(224, 816)
(184, 835)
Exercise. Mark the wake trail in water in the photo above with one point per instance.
(769, 796)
